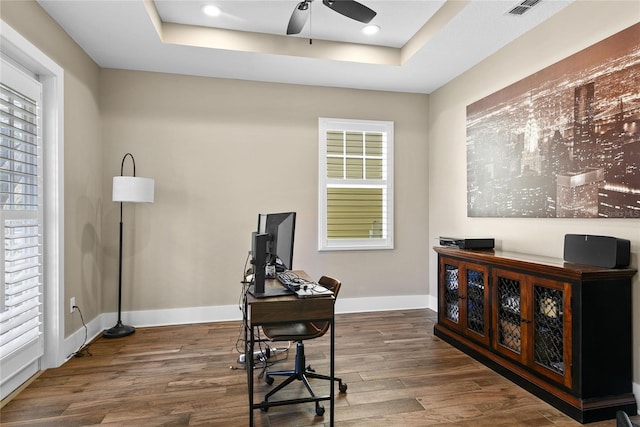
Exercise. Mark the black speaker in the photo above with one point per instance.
(601, 251)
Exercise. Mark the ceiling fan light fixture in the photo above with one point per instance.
(211, 10)
(370, 29)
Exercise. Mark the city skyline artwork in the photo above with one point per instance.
(563, 142)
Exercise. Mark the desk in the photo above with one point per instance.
(285, 309)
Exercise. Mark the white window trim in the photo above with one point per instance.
(325, 124)
(51, 75)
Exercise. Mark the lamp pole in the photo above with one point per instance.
(121, 330)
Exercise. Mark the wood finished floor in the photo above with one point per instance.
(397, 372)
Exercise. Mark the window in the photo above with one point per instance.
(355, 184)
(20, 220)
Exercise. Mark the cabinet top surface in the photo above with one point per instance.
(535, 262)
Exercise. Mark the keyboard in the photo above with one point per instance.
(301, 287)
(289, 280)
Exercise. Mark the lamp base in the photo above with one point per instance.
(118, 331)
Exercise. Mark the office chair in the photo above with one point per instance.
(300, 332)
(622, 420)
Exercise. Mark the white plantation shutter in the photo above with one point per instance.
(21, 210)
(356, 184)
(20, 318)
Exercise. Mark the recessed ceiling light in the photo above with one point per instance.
(370, 29)
(211, 10)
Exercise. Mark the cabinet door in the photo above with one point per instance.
(449, 289)
(510, 318)
(475, 305)
(550, 352)
(464, 298)
(533, 323)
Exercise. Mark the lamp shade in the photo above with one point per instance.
(132, 189)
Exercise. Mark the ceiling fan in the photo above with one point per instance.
(349, 8)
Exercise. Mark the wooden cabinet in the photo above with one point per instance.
(560, 330)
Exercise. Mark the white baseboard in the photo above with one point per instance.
(181, 316)
(406, 302)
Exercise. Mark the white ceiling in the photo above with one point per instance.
(422, 44)
(400, 19)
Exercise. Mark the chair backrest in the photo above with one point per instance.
(331, 284)
(334, 285)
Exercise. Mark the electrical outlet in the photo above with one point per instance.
(72, 304)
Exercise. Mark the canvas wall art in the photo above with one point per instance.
(563, 142)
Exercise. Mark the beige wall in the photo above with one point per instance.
(222, 151)
(82, 156)
(573, 29)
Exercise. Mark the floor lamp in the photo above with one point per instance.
(127, 189)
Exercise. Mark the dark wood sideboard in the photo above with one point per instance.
(562, 331)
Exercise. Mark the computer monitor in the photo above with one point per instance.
(281, 230)
(271, 244)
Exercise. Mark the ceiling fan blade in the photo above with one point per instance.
(298, 18)
(351, 9)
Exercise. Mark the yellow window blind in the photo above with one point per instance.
(354, 212)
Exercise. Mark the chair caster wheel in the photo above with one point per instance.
(319, 410)
(343, 387)
(268, 380)
(264, 408)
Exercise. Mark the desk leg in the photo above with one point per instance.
(248, 363)
(332, 371)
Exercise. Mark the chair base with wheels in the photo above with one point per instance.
(300, 373)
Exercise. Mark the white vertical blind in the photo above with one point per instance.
(21, 230)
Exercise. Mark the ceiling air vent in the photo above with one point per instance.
(523, 7)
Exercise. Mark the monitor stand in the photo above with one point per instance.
(270, 291)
